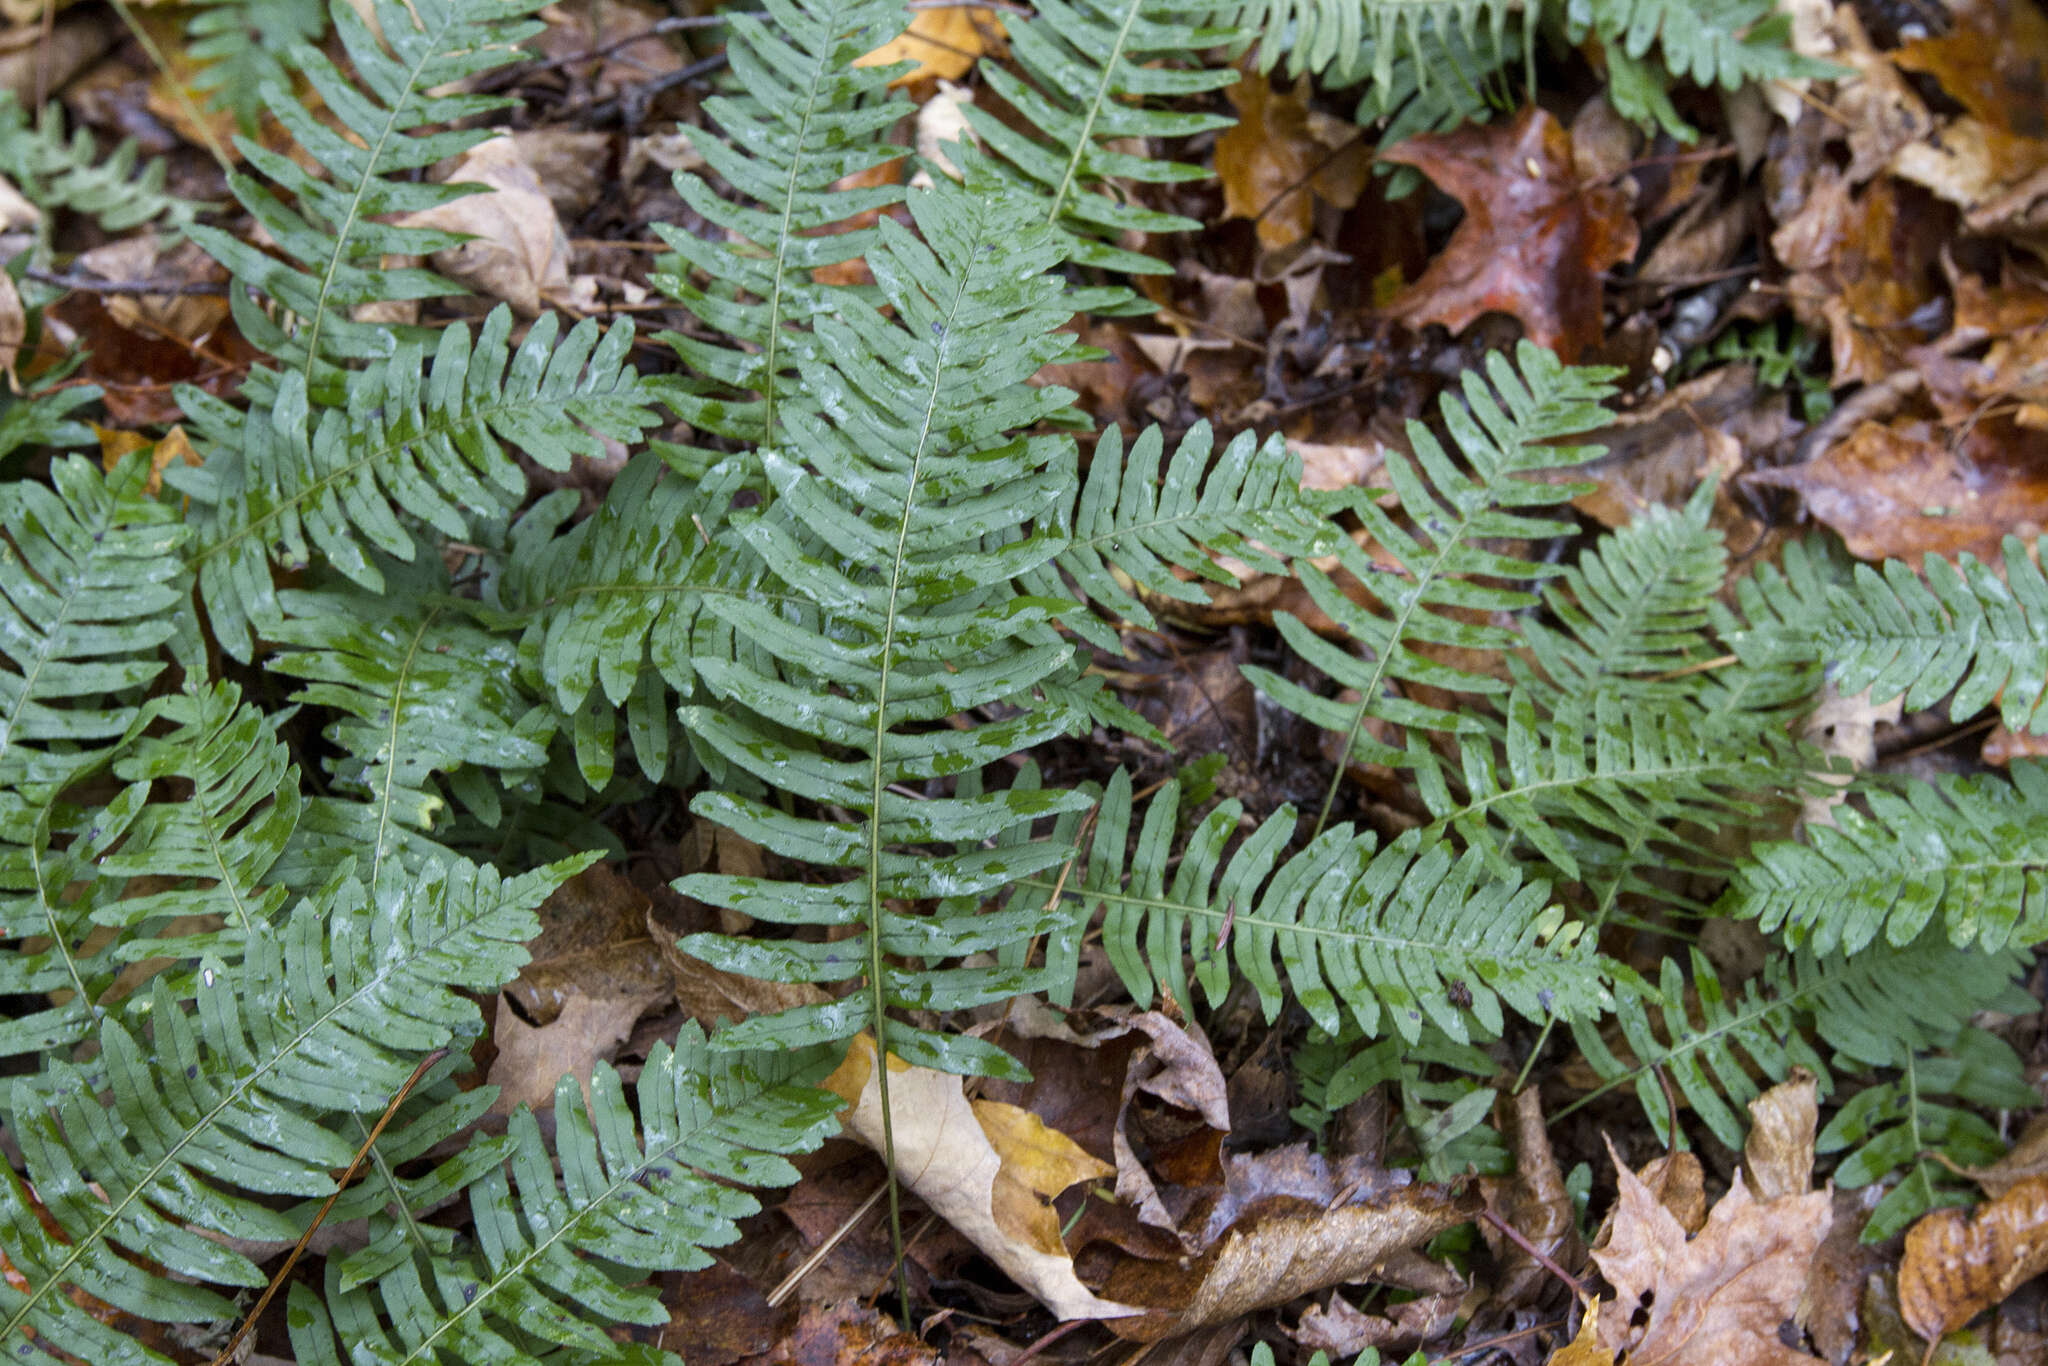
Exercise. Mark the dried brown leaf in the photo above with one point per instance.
(520, 253)
(1534, 239)
(1716, 1299)
(532, 1058)
(1281, 156)
(988, 1169)
(1958, 1264)
(1779, 1150)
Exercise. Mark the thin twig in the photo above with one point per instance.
(1543, 1259)
(809, 1264)
(86, 284)
(227, 1353)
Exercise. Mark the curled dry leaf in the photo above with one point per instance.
(1718, 1298)
(1957, 1264)
(1779, 1150)
(990, 1170)
(1289, 1223)
(1534, 239)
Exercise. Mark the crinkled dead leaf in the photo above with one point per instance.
(1989, 61)
(988, 1169)
(1281, 156)
(1534, 239)
(1585, 1349)
(1902, 489)
(520, 253)
(1718, 1298)
(944, 43)
(1865, 265)
(1958, 1264)
(1779, 1150)
(1343, 1331)
(847, 1333)
(1288, 1223)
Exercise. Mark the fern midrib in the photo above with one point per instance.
(772, 348)
(1625, 778)
(1384, 661)
(61, 1274)
(1106, 72)
(340, 236)
(1282, 929)
(433, 425)
(389, 776)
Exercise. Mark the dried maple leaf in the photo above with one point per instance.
(1956, 1264)
(1534, 239)
(1719, 1298)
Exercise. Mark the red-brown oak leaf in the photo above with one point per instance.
(1534, 238)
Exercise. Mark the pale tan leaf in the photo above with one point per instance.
(1779, 1149)
(1958, 1264)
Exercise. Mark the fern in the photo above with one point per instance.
(1088, 66)
(1972, 852)
(55, 172)
(234, 1100)
(551, 1251)
(1408, 937)
(1964, 629)
(1138, 521)
(1711, 1046)
(898, 615)
(430, 443)
(1505, 431)
(331, 240)
(1896, 1124)
(804, 119)
(246, 47)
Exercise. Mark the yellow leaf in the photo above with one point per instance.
(944, 43)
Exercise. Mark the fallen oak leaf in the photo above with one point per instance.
(1956, 1265)
(1534, 239)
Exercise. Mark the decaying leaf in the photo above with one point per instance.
(1902, 489)
(532, 1058)
(1289, 1223)
(1534, 239)
(988, 1169)
(1281, 156)
(520, 253)
(1718, 1298)
(1958, 1264)
(1585, 1349)
(1779, 1150)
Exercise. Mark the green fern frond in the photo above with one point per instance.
(1089, 66)
(557, 1260)
(1894, 1125)
(419, 691)
(606, 608)
(184, 1131)
(1519, 424)
(803, 119)
(327, 245)
(206, 854)
(1409, 935)
(1728, 43)
(1346, 41)
(246, 46)
(893, 550)
(1134, 521)
(1964, 628)
(1972, 852)
(418, 441)
(55, 172)
(1713, 1047)
(89, 576)
(43, 417)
